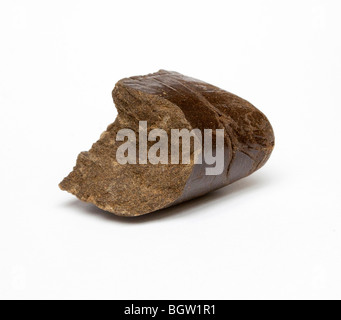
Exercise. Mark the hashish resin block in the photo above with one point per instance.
(168, 101)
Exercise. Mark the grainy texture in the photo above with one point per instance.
(169, 100)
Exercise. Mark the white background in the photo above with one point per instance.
(274, 235)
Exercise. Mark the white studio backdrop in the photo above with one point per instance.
(274, 235)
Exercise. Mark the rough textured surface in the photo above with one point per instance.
(169, 100)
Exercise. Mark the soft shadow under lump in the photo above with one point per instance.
(195, 206)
